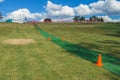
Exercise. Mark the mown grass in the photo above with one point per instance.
(44, 60)
(102, 37)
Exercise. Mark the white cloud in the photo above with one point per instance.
(20, 14)
(107, 7)
(66, 13)
(51, 6)
(1, 1)
(110, 7)
(97, 5)
(68, 19)
(37, 15)
(108, 19)
(83, 10)
(58, 11)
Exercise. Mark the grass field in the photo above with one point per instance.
(44, 60)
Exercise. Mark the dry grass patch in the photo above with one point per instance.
(19, 41)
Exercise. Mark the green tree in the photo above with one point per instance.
(101, 19)
(76, 18)
(96, 19)
(82, 18)
(90, 19)
(79, 18)
(1, 16)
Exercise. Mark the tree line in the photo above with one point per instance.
(91, 19)
(76, 19)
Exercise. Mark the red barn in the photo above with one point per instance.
(48, 20)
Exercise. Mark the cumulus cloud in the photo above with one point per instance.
(1, 1)
(109, 7)
(108, 19)
(58, 11)
(83, 10)
(20, 15)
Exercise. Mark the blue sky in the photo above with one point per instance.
(57, 9)
(37, 5)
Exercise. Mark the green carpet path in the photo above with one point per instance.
(110, 63)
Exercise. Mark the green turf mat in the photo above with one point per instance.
(110, 63)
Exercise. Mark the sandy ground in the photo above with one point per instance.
(18, 41)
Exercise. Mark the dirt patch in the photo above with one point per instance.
(18, 41)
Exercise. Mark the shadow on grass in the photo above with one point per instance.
(90, 45)
(110, 63)
(110, 42)
(108, 45)
(116, 34)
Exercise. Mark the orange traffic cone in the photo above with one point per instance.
(49, 38)
(99, 62)
(63, 38)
